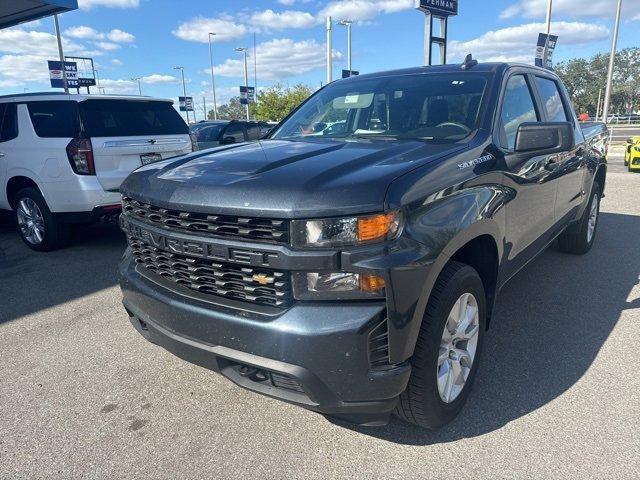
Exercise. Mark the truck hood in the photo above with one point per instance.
(283, 178)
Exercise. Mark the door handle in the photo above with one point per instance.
(2, 154)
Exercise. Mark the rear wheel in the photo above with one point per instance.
(580, 240)
(447, 353)
(37, 226)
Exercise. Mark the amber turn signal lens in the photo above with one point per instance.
(377, 226)
(371, 283)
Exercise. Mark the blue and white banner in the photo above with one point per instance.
(247, 95)
(544, 50)
(56, 75)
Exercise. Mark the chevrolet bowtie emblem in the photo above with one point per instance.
(262, 279)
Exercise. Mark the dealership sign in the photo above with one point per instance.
(544, 50)
(247, 95)
(57, 77)
(439, 8)
(186, 104)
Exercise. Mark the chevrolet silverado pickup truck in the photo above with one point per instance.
(352, 270)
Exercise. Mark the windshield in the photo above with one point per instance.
(439, 108)
(123, 118)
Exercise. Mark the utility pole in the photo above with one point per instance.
(612, 57)
(204, 104)
(548, 21)
(137, 79)
(184, 92)
(255, 69)
(97, 80)
(347, 23)
(61, 53)
(329, 48)
(246, 75)
(213, 83)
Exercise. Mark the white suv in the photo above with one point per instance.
(63, 157)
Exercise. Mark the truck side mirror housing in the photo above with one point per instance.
(544, 138)
(227, 140)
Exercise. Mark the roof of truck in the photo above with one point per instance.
(487, 67)
(17, 97)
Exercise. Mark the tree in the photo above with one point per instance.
(233, 110)
(585, 78)
(276, 102)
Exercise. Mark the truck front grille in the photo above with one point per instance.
(247, 228)
(259, 286)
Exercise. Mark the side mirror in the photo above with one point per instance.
(544, 138)
(227, 140)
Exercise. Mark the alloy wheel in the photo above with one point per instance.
(30, 221)
(458, 347)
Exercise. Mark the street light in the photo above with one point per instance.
(246, 74)
(184, 92)
(548, 21)
(213, 84)
(614, 44)
(347, 23)
(137, 79)
(329, 27)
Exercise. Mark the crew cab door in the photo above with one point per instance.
(8, 144)
(565, 166)
(531, 212)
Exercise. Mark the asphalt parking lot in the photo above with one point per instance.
(82, 395)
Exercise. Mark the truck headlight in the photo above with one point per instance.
(337, 286)
(346, 231)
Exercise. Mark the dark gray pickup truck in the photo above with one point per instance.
(349, 263)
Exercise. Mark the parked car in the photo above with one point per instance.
(214, 133)
(355, 273)
(63, 157)
(632, 154)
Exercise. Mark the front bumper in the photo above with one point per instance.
(315, 355)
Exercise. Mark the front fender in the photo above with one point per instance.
(442, 226)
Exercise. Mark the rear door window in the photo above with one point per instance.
(57, 119)
(253, 131)
(551, 99)
(517, 108)
(123, 118)
(234, 131)
(8, 122)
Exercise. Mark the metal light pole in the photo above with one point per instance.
(97, 79)
(61, 53)
(213, 83)
(614, 44)
(347, 23)
(329, 48)
(137, 79)
(548, 21)
(184, 92)
(255, 69)
(246, 75)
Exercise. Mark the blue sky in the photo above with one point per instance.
(146, 38)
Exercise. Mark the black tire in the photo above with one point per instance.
(576, 240)
(56, 233)
(421, 403)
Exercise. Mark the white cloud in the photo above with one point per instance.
(117, 62)
(363, 10)
(108, 46)
(289, 3)
(279, 21)
(120, 36)
(570, 8)
(156, 78)
(197, 29)
(88, 4)
(87, 33)
(517, 44)
(279, 59)
(112, 86)
(17, 70)
(18, 41)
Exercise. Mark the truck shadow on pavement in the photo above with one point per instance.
(32, 281)
(549, 324)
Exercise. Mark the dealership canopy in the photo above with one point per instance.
(13, 12)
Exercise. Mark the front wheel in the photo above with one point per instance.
(37, 226)
(448, 349)
(579, 241)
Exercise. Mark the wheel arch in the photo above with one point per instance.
(17, 183)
